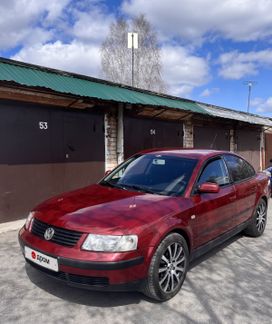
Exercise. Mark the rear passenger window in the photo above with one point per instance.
(239, 168)
(215, 171)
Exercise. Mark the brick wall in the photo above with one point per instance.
(110, 140)
(188, 137)
(233, 145)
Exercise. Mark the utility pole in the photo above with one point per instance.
(250, 84)
(132, 43)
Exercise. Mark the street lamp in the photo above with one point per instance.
(250, 84)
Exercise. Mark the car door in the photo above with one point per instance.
(244, 179)
(213, 211)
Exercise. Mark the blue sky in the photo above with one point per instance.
(209, 47)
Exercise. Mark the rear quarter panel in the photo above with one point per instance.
(248, 194)
(263, 189)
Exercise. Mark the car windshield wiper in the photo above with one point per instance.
(110, 184)
(138, 188)
(126, 187)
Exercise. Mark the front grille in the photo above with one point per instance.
(84, 280)
(61, 236)
(72, 278)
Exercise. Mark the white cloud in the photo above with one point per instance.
(262, 105)
(74, 57)
(182, 70)
(236, 65)
(180, 90)
(92, 26)
(86, 30)
(208, 92)
(19, 20)
(242, 20)
(86, 24)
(53, 8)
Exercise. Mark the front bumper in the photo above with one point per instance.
(85, 282)
(121, 275)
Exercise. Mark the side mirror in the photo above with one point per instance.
(107, 172)
(208, 187)
(270, 160)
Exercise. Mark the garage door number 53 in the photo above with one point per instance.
(43, 125)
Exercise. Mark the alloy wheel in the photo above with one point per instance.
(172, 267)
(261, 216)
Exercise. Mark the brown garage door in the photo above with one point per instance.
(248, 145)
(141, 134)
(216, 138)
(268, 150)
(45, 151)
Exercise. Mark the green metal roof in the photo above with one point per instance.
(62, 82)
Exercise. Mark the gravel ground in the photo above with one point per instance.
(232, 284)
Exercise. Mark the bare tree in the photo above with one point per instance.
(116, 57)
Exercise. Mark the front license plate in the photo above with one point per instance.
(41, 259)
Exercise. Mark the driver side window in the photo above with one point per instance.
(215, 171)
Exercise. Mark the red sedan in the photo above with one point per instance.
(141, 225)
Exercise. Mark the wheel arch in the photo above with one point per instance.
(265, 199)
(183, 233)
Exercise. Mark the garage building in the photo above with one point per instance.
(60, 131)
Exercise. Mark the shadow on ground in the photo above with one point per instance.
(101, 299)
(214, 251)
(82, 296)
(230, 284)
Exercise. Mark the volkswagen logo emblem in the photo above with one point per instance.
(49, 233)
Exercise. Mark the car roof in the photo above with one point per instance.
(188, 153)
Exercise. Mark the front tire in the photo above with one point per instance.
(168, 268)
(258, 222)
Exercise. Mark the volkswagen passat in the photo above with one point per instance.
(141, 225)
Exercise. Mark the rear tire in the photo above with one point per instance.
(167, 269)
(258, 222)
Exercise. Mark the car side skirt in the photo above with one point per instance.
(217, 241)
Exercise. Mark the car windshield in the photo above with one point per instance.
(151, 173)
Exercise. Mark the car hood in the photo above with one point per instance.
(105, 210)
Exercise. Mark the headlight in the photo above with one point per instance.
(110, 243)
(29, 221)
